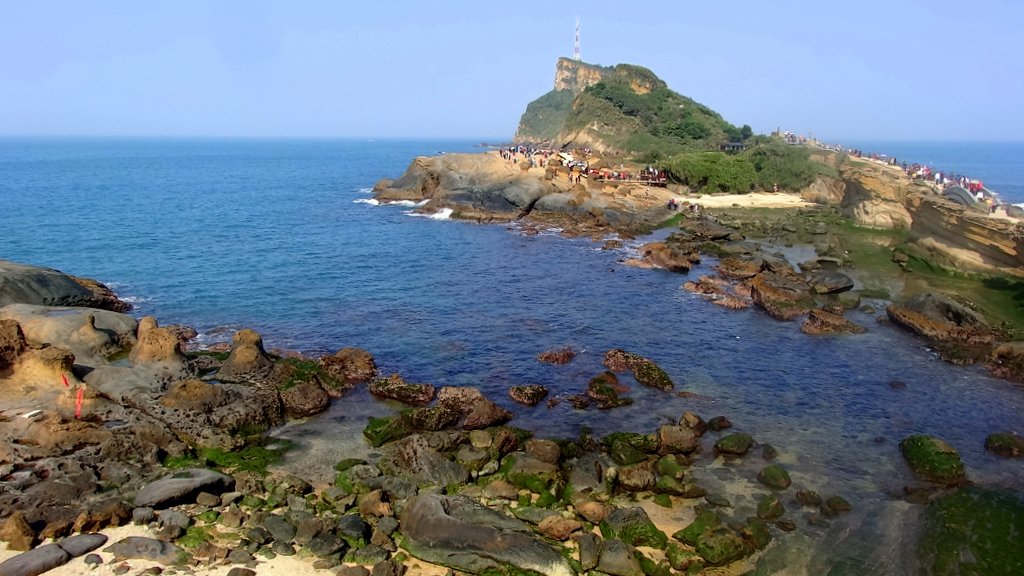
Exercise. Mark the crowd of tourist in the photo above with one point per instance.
(943, 181)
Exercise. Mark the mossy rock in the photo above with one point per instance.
(721, 546)
(432, 419)
(1005, 444)
(346, 463)
(663, 500)
(650, 374)
(535, 483)
(624, 454)
(835, 505)
(705, 521)
(973, 532)
(669, 485)
(669, 466)
(682, 559)
(651, 568)
(770, 507)
(933, 460)
(382, 430)
(756, 534)
(646, 443)
(634, 527)
(734, 444)
(775, 476)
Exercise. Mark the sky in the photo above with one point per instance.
(838, 70)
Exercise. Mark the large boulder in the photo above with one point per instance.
(783, 295)
(669, 256)
(12, 342)
(941, 318)
(459, 533)
(248, 359)
(305, 399)
(35, 562)
(194, 395)
(394, 387)
(89, 333)
(182, 487)
(142, 548)
(349, 366)
(157, 345)
(413, 458)
(1007, 361)
(24, 284)
(933, 460)
(819, 321)
(972, 531)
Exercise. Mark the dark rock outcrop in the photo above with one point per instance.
(182, 487)
(460, 533)
(24, 284)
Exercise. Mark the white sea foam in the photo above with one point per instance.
(135, 299)
(442, 214)
(365, 190)
(370, 201)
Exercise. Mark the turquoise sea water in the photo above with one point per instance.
(278, 235)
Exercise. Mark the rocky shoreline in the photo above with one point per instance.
(107, 421)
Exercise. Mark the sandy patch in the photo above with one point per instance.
(752, 200)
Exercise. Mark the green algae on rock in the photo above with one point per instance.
(775, 476)
(933, 460)
(973, 532)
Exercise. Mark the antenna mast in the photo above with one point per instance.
(576, 47)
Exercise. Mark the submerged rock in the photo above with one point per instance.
(973, 531)
(395, 387)
(530, 394)
(1005, 444)
(933, 460)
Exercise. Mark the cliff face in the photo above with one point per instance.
(958, 238)
(946, 233)
(573, 76)
(620, 109)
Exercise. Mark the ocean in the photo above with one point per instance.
(282, 236)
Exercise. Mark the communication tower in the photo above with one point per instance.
(576, 46)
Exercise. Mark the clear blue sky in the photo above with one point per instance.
(908, 70)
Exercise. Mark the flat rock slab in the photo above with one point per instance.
(142, 548)
(36, 561)
(182, 487)
(462, 534)
(80, 544)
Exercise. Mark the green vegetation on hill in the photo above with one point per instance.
(631, 112)
(766, 163)
(545, 116)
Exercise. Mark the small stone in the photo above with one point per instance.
(93, 560)
(282, 548)
(501, 489)
(558, 527)
(240, 556)
(589, 550)
(207, 499)
(239, 571)
(143, 515)
(719, 423)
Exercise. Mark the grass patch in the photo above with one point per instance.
(255, 457)
(296, 371)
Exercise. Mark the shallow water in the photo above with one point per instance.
(270, 235)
